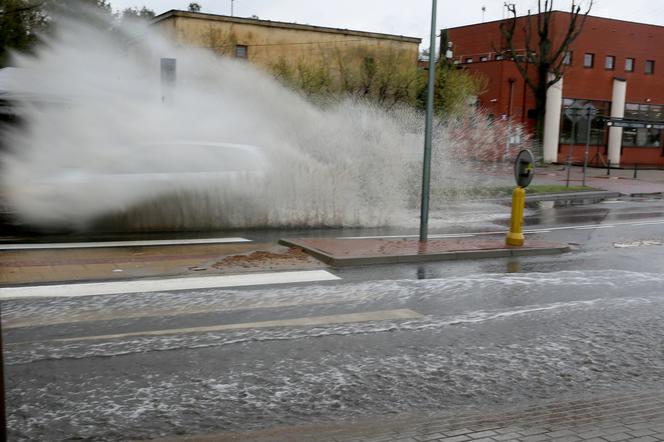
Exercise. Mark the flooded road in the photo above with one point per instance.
(120, 363)
(471, 341)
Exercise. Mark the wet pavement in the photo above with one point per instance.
(46, 265)
(423, 351)
(340, 252)
(636, 417)
(480, 340)
(618, 180)
(61, 265)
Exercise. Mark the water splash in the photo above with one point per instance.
(106, 146)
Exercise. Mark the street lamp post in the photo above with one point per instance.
(591, 112)
(426, 166)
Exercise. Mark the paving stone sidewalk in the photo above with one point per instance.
(637, 417)
(101, 264)
(618, 180)
(340, 252)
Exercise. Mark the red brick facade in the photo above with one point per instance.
(474, 47)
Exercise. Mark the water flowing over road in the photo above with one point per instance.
(472, 340)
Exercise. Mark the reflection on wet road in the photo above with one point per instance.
(406, 338)
(472, 340)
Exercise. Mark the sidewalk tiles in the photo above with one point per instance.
(348, 252)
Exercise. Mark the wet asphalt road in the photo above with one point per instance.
(480, 333)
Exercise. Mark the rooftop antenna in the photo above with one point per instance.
(232, 2)
(483, 11)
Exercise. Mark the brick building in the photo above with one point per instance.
(617, 66)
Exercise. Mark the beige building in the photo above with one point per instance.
(267, 43)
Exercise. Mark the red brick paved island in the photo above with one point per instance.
(345, 252)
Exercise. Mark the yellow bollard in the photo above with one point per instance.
(515, 236)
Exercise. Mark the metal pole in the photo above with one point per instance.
(232, 1)
(3, 412)
(585, 155)
(426, 166)
(569, 152)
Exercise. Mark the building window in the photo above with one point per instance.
(650, 67)
(519, 57)
(610, 62)
(567, 58)
(241, 51)
(484, 58)
(597, 126)
(643, 137)
(588, 60)
(469, 60)
(629, 65)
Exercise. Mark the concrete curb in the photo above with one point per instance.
(337, 261)
(590, 194)
(561, 196)
(646, 194)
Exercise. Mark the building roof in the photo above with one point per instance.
(556, 11)
(283, 25)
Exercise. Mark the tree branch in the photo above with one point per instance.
(508, 30)
(23, 9)
(574, 29)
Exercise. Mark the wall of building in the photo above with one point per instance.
(481, 43)
(505, 82)
(621, 39)
(267, 42)
(602, 37)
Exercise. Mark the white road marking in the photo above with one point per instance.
(644, 243)
(108, 314)
(103, 244)
(381, 315)
(162, 285)
(503, 232)
(647, 223)
(595, 227)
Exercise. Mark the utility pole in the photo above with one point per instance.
(426, 165)
(3, 406)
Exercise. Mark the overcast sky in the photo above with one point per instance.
(403, 17)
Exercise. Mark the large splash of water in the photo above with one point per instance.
(233, 148)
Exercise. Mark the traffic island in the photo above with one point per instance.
(352, 252)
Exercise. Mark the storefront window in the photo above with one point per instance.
(643, 137)
(597, 128)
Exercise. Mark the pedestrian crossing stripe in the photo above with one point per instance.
(163, 285)
(105, 244)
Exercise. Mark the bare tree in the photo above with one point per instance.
(542, 61)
